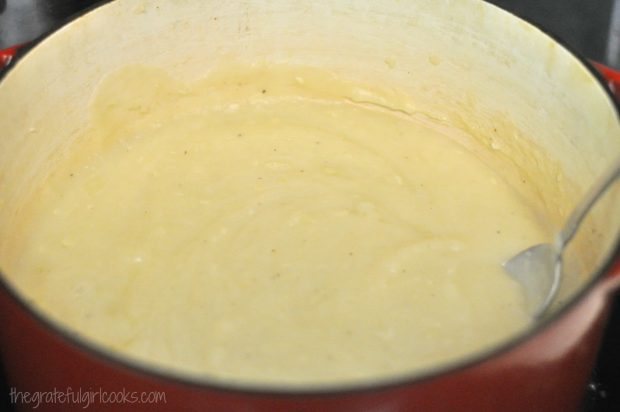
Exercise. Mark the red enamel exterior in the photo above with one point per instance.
(612, 76)
(7, 54)
(545, 373)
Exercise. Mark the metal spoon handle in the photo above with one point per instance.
(600, 187)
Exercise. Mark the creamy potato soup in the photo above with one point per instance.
(275, 224)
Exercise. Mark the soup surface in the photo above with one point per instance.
(275, 224)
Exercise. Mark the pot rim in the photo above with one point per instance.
(170, 376)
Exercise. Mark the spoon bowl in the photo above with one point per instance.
(539, 268)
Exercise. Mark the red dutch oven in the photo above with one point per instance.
(463, 58)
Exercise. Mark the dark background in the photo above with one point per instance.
(582, 24)
(586, 26)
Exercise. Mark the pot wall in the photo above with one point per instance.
(466, 62)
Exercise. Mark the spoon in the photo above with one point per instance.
(539, 268)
